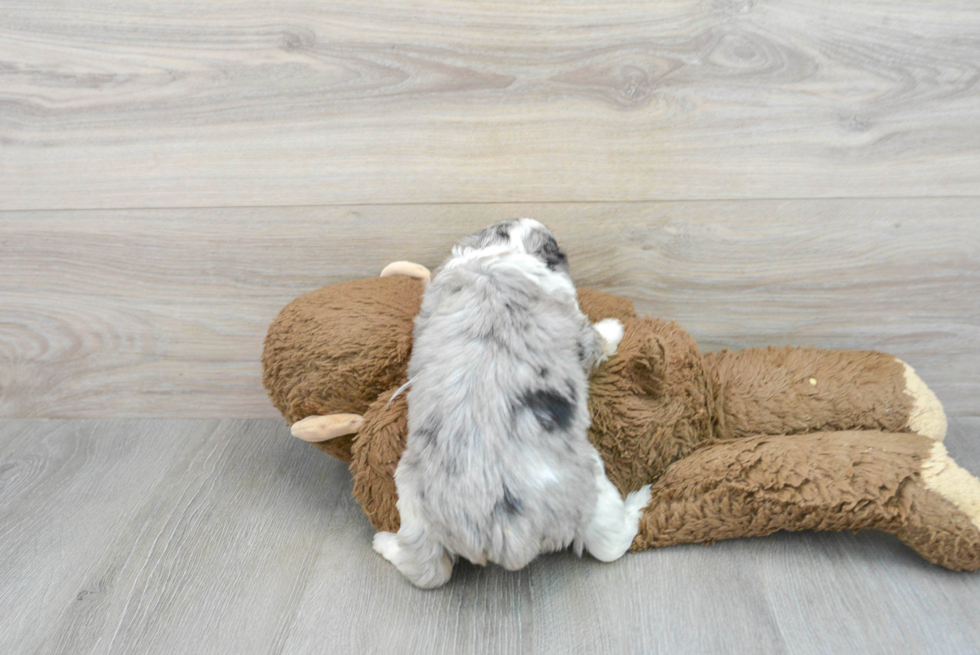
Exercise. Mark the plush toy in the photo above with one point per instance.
(736, 444)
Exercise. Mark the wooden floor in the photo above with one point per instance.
(222, 536)
(173, 173)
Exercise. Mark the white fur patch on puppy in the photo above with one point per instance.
(386, 545)
(425, 573)
(615, 523)
(611, 331)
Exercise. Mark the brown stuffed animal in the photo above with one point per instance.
(735, 443)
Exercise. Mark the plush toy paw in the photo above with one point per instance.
(926, 416)
(945, 477)
(943, 523)
(611, 331)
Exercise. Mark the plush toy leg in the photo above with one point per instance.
(411, 269)
(792, 390)
(902, 483)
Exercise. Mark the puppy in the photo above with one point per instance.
(498, 467)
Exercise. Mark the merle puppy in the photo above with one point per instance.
(498, 467)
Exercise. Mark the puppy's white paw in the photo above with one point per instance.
(386, 545)
(637, 501)
(611, 331)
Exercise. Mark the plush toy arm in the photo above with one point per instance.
(375, 456)
(792, 390)
(901, 483)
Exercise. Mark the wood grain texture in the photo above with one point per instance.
(161, 536)
(163, 312)
(70, 493)
(194, 103)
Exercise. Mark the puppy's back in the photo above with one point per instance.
(498, 463)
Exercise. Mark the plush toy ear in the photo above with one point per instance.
(316, 429)
(411, 269)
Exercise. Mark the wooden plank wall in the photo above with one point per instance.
(764, 172)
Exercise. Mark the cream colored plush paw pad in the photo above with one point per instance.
(927, 416)
(942, 475)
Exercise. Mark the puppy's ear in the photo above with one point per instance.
(500, 232)
(553, 256)
(494, 235)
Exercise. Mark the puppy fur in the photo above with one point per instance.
(498, 467)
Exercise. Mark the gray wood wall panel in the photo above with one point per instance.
(195, 103)
(163, 312)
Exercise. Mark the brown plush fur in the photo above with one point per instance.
(336, 349)
(792, 390)
(846, 480)
(735, 443)
(376, 454)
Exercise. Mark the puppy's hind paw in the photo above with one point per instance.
(611, 331)
(637, 501)
(386, 545)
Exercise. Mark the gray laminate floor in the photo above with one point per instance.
(208, 536)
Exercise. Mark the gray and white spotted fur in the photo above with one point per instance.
(498, 467)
